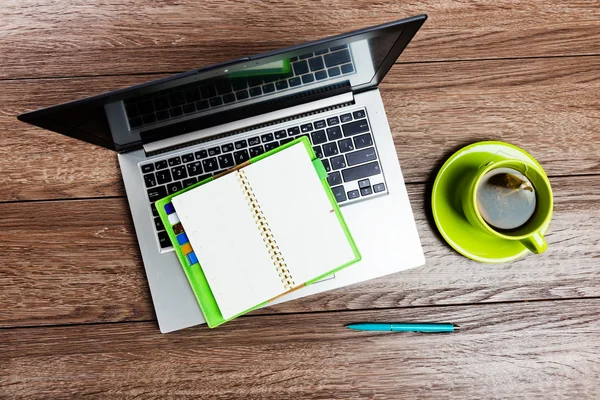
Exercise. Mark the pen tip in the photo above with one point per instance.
(457, 327)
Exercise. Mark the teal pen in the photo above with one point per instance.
(391, 327)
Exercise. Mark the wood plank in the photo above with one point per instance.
(524, 350)
(80, 264)
(89, 37)
(549, 107)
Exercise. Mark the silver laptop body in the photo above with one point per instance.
(203, 122)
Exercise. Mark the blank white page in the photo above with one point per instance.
(222, 231)
(299, 213)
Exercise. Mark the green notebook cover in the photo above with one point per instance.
(192, 268)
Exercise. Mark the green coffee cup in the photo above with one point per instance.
(529, 234)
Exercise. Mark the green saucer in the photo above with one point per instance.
(447, 208)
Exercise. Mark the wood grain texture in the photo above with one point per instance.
(81, 264)
(46, 38)
(550, 107)
(523, 350)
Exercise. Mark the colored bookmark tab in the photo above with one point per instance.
(169, 209)
(186, 249)
(192, 259)
(173, 219)
(182, 239)
(178, 228)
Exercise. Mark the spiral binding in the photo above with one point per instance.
(265, 232)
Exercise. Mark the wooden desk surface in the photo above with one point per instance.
(76, 317)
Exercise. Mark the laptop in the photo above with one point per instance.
(173, 132)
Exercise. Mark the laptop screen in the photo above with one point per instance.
(127, 118)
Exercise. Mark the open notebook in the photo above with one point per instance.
(259, 231)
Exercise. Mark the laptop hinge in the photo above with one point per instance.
(204, 134)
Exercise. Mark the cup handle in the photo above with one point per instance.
(535, 243)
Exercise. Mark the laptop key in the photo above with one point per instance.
(363, 141)
(339, 193)
(334, 179)
(337, 58)
(346, 145)
(214, 151)
(318, 151)
(147, 168)
(356, 127)
(150, 180)
(308, 78)
(256, 151)
(189, 108)
(334, 71)
(280, 85)
(157, 193)
(162, 115)
(179, 172)
(316, 63)
(254, 141)
(201, 154)
(241, 95)
(241, 156)
(215, 101)
(320, 124)
(326, 165)
(227, 147)
(240, 144)
(158, 224)
(194, 168)
(267, 137)
(294, 130)
(189, 182)
(338, 162)
(306, 127)
(295, 81)
(364, 183)
(330, 149)
(380, 187)
(366, 191)
(334, 133)
(320, 75)
(353, 194)
(226, 161)
(163, 176)
(175, 112)
(346, 117)
(202, 105)
(300, 67)
(174, 161)
(361, 156)
(346, 69)
(163, 239)
(286, 140)
(186, 158)
(174, 187)
(228, 98)
(280, 134)
(162, 164)
(154, 210)
(255, 91)
(359, 114)
(210, 164)
(318, 137)
(268, 88)
(271, 146)
(361, 171)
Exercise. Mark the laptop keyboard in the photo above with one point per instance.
(305, 69)
(343, 142)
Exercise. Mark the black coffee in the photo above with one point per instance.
(506, 198)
